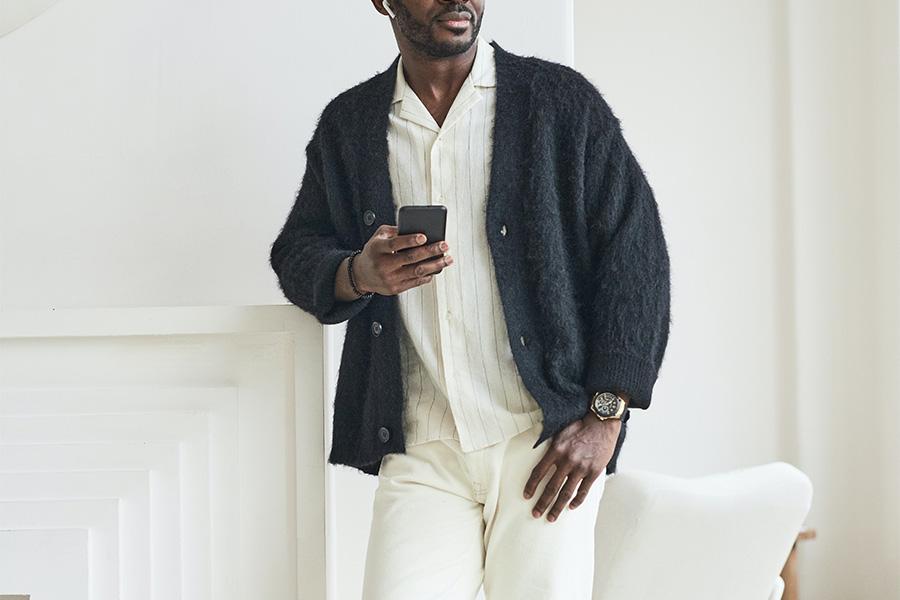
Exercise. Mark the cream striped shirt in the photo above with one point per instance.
(461, 380)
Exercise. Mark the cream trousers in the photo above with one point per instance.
(446, 522)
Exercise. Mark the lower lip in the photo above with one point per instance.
(462, 23)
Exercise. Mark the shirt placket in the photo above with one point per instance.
(452, 349)
(446, 350)
(448, 344)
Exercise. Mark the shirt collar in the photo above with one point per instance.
(483, 73)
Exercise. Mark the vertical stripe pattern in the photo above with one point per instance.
(460, 377)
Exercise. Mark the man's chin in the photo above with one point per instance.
(445, 49)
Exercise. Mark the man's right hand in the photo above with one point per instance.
(390, 263)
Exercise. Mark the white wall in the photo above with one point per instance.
(844, 65)
(769, 131)
(696, 88)
(151, 150)
(138, 138)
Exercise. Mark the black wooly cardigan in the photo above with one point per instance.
(583, 270)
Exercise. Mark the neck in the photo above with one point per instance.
(435, 78)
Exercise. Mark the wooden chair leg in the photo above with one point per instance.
(789, 572)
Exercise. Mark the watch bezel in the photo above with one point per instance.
(620, 406)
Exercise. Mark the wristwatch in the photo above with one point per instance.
(608, 405)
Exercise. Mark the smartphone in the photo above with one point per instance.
(430, 219)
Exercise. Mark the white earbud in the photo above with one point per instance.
(387, 7)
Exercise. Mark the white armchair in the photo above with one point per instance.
(718, 537)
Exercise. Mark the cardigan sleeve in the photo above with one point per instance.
(307, 253)
(630, 291)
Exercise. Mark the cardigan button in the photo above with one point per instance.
(503, 230)
(522, 339)
(383, 434)
(368, 217)
(376, 328)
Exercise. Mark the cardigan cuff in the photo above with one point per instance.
(613, 371)
(330, 309)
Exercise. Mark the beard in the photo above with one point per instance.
(421, 35)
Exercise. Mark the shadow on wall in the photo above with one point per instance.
(16, 13)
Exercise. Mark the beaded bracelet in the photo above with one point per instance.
(353, 281)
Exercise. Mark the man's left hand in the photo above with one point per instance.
(580, 453)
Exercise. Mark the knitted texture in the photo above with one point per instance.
(583, 269)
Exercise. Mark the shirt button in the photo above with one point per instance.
(368, 217)
(376, 328)
(503, 230)
(383, 434)
(522, 339)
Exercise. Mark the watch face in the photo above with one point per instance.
(606, 404)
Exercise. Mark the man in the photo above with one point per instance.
(542, 317)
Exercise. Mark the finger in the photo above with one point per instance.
(538, 473)
(427, 267)
(550, 491)
(411, 283)
(379, 240)
(423, 252)
(415, 254)
(567, 491)
(385, 231)
(583, 490)
(402, 242)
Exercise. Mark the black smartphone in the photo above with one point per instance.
(430, 219)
